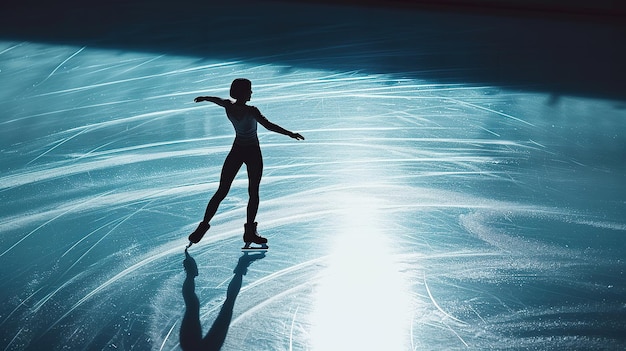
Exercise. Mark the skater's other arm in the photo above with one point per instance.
(275, 127)
(213, 99)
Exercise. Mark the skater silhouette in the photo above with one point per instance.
(245, 149)
(190, 329)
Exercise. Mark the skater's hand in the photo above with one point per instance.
(296, 136)
(199, 99)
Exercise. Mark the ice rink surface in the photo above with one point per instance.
(419, 213)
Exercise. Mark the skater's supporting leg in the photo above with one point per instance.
(255, 172)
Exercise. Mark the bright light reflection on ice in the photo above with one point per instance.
(361, 301)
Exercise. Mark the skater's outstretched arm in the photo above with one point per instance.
(275, 127)
(213, 99)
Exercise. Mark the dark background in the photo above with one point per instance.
(563, 47)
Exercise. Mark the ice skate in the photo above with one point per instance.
(197, 234)
(250, 236)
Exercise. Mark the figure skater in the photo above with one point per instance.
(246, 150)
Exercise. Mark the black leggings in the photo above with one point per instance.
(238, 155)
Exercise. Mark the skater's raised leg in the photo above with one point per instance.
(197, 234)
(232, 164)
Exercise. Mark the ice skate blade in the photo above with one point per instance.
(248, 248)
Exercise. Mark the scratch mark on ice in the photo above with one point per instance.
(150, 257)
(167, 337)
(293, 322)
(62, 63)
(457, 335)
(490, 110)
(20, 305)
(432, 299)
(11, 48)
(52, 219)
(15, 337)
(56, 146)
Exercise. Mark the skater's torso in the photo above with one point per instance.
(244, 120)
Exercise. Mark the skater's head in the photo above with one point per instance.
(241, 89)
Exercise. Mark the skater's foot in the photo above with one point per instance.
(250, 234)
(197, 234)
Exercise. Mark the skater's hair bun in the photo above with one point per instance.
(240, 88)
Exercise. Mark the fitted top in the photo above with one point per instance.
(244, 119)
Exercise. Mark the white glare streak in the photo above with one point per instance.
(361, 302)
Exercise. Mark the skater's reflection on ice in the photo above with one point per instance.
(191, 330)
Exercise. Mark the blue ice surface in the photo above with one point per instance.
(417, 214)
